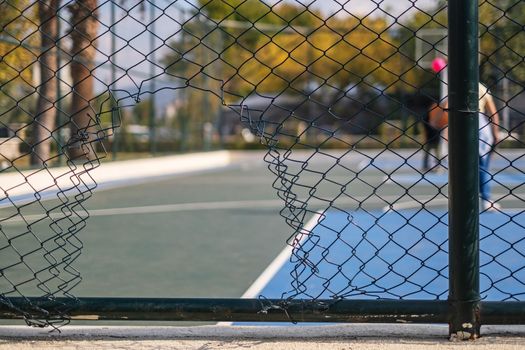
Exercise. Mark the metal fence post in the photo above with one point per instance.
(58, 103)
(114, 116)
(152, 110)
(464, 295)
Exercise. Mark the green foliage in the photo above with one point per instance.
(502, 43)
(237, 10)
(283, 47)
(18, 32)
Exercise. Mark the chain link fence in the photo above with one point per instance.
(350, 98)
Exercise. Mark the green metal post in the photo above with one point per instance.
(114, 145)
(58, 103)
(220, 116)
(206, 106)
(152, 143)
(183, 118)
(464, 298)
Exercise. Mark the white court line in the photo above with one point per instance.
(271, 270)
(256, 288)
(157, 209)
(196, 206)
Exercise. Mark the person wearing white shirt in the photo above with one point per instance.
(488, 139)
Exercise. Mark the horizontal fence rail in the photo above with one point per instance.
(273, 310)
(251, 310)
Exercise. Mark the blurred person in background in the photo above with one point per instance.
(436, 132)
(488, 139)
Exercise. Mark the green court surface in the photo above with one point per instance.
(196, 235)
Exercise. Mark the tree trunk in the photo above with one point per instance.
(44, 122)
(83, 124)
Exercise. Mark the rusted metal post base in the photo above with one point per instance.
(465, 322)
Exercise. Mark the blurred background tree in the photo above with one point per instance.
(84, 29)
(17, 37)
(45, 119)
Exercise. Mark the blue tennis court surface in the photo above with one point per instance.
(392, 254)
(397, 254)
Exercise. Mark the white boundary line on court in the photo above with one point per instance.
(218, 205)
(271, 270)
(159, 209)
(256, 288)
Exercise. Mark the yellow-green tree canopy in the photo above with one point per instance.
(18, 38)
(270, 48)
(273, 48)
(502, 39)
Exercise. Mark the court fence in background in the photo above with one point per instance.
(79, 78)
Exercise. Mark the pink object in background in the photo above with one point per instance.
(438, 64)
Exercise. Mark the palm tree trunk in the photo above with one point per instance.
(83, 132)
(44, 122)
